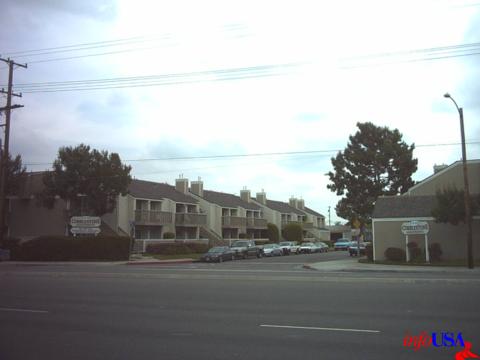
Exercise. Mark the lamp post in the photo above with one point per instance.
(466, 192)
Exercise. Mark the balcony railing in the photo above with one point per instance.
(194, 219)
(305, 225)
(256, 223)
(233, 221)
(152, 217)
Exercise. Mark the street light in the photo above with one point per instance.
(466, 192)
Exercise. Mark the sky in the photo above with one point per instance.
(241, 77)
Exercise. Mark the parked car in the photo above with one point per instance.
(246, 248)
(272, 250)
(289, 247)
(307, 248)
(353, 249)
(342, 244)
(321, 246)
(218, 254)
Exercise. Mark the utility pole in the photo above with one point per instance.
(4, 159)
(329, 224)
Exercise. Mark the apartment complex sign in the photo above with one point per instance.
(415, 228)
(85, 225)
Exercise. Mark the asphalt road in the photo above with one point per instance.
(253, 309)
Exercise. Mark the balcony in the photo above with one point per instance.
(256, 223)
(233, 221)
(190, 219)
(152, 217)
(304, 225)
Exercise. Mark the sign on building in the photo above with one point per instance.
(415, 228)
(85, 225)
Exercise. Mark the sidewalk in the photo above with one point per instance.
(352, 265)
(152, 261)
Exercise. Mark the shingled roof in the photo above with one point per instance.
(228, 200)
(312, 212)
(283, 207)
(404, 206)
(158, 191)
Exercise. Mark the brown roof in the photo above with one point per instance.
(283, 207)
(158, 191)
(404, 206)
(228, 200)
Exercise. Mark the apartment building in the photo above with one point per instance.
(282, 213)
(150, 210)
(230, 217)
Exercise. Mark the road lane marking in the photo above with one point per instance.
(319, 328)
(24, 310)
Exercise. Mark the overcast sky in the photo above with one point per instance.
(337, 79)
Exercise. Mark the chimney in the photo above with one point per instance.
(301, 204)
(197, 187)
(245, 194)
(437, 168)
(262, 197)
(181, 184)
(293, 202)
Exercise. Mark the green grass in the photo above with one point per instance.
(458, 263)
(193, 256)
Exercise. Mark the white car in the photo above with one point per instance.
(272, 250)
(307, 248)
(289, 247)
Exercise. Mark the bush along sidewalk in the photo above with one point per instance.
(67, 248)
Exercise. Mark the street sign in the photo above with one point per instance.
(415, 228)
(85, 221)
(85, 230)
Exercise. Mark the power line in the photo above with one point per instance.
(284, 153)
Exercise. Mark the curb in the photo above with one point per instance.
(160, 262)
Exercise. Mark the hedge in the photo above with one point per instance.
(177, 248)
(68, 248)
(369, 252)
(12, 244)
(435, 251)
(272, 233)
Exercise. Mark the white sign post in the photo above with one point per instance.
(416, 228)
(85, 225)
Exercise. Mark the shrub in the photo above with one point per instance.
(395, 254)
(416, 253)
(67, 248)
(169, 235)
(435, 251)
(198, 248)
(273, 234)
(12, 244)
(369, 252)
(293, 232)
(176, 248)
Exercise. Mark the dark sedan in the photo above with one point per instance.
(218, 254)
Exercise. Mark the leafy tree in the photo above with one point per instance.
(375, 162)
(273, 233)
(450, 206)
(15, 172)
(293, 232)
(96, 176)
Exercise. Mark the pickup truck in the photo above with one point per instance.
(246, 248)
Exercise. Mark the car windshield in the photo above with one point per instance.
(270, 246)
(216, 250)
(285, 243)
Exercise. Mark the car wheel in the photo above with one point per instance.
(220, 259)
(233, 257)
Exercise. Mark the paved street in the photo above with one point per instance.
(254, 309)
